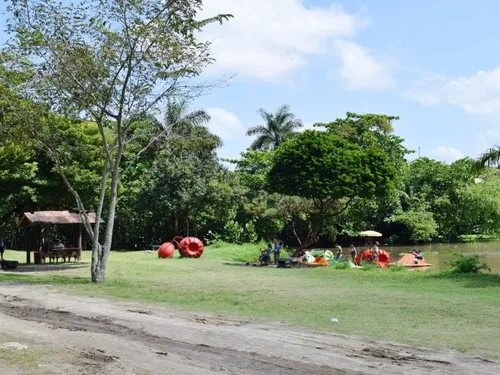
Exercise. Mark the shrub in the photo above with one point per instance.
(467, 263)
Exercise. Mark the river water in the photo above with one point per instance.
(438, 254)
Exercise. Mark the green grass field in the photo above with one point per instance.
(435, 310)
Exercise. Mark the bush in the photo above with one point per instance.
(467, 263)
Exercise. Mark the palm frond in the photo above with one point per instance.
(490, 158)
(266, 116)
(261, 143)
(198, 118)
(257, 130)
(294, 124)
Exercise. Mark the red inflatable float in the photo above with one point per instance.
(191, 247)
(384, 257)
(166, 250)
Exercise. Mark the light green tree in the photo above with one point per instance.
(109, 62)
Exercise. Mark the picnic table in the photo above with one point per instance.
(62, 252)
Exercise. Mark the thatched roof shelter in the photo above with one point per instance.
(53, 217)
(46, 219)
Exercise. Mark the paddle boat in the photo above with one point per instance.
(410, 261)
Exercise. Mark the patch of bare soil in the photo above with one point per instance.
(97, 336)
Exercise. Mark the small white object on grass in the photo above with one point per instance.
(334, 320)
(14, 345)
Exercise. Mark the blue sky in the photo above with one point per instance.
(433, 63)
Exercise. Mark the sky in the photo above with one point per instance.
(436, 64)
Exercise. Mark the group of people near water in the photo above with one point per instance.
(272, 248)
(354, 252)
(275, 247)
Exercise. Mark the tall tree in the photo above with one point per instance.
(490, 158)
(182, 122)
(331, 171)
(110, 62)
(278, 128)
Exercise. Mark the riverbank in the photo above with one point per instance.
(421, 309)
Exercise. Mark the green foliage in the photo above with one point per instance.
(370, 131)
(419, 225)
(279, 127)
(324, 166)
(249, 234)
(467, 263)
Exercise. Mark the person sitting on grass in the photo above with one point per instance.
(264, 257)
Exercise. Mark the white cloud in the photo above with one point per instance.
(359, 69)
(448, 154)
(476, 94)
(267, 39)
(224, 124)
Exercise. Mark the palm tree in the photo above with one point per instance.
(182, 123)
(279, 127)
(490, 158)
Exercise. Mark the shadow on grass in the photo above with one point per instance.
(19, 278)
(480, 280)
(46, 267)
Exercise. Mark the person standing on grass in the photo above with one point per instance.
(338, 256)
(277, 249)
(2, 249)
(354, 252)
(375, 251)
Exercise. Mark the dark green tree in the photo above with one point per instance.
(331, 171)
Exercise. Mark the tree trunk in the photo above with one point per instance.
(98, 267)
(187, 226)
(100, 252)
(313, 236)
(295, 233)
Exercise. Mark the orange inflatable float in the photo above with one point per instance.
(191, 247)
(166, 250)
(384, 258)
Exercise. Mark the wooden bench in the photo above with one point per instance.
(9, 264)
(288, 262)
(64, 253)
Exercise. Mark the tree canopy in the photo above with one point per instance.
(278, 128)
(329, 170)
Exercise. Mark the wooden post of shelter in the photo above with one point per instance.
(80, 242)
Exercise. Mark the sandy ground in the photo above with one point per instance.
(79, 335)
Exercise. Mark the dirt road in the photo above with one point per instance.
(79, 335)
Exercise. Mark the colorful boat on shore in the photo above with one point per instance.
(318, 262)
(383, 259)
(410, 261)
